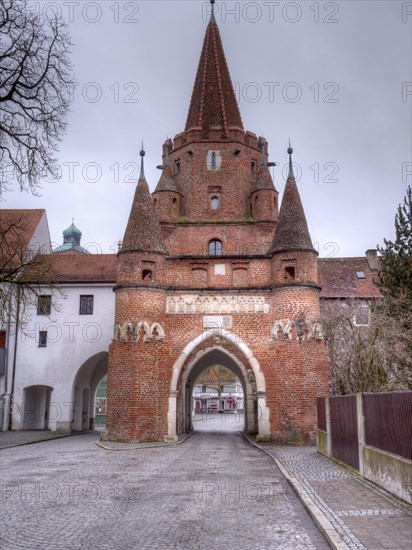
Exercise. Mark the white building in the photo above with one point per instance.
(53, 364)
(206, 399)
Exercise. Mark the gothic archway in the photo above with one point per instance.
(229, 351)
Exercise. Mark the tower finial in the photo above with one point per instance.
(212, 15)
(290, 151)
(142, 154)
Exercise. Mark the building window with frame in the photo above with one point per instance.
(215, 203)
(44, 305)
(361, 317)
(86, 305)
(177, 167)
(215, 247)
(42, 338)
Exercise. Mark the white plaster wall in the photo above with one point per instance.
(72, 339)
(41, 237)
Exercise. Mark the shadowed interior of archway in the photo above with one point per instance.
(218, 422)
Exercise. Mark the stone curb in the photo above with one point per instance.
(143, 445)
(41, 440)
(317, 515)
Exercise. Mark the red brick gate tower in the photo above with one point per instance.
(210, 273)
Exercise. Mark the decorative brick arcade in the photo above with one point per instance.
(211, 271)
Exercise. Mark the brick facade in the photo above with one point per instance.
(211, 270)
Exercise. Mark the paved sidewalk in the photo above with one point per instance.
(22, 437)
(353, 513)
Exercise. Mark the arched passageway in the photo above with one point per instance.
(203, 352)
(207, 359)
(36, 407)
(85, 386)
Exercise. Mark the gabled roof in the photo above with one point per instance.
(213, 102)
(27, 220)
(70, 267)
(338, 279)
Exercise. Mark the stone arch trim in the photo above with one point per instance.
(263, 421)
(242, 346)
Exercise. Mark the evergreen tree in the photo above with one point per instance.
(395, 277)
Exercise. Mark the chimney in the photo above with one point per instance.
(372, 259)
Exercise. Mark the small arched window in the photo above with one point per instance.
(174, 201)
(215, 248)
(147, 275)
(215, 203)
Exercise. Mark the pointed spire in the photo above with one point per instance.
(290, 173)
(213, 104)
(292, 231)
(143, 232)
(212, 15)
(142, 177)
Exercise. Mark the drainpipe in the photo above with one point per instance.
(13, 376)
(6, 367)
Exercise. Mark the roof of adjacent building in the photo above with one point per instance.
(84, 268)
(25, 220)
(213, 102)
(71, 241)
(338, 278)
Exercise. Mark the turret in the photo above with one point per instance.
(293, 255)
(142, 254)
(264, 197)
(166, 197)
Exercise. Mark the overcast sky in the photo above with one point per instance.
(332, 76)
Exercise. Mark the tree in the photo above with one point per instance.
(25, 274)
(395, 283)
(35, 86)
(395, 276)
(378, 355)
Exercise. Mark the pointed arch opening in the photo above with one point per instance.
(229, 351)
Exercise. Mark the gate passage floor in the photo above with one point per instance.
(213, 491)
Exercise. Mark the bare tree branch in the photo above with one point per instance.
(35, 84)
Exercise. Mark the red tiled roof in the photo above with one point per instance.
(26, 220)
(292, 231)
(337, 277)
(143, 230)
(213, 102)
(84, 268)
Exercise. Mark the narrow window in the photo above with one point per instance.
(214, 160)
(215, 248)
(86, 305)
(42, 338)
(44, 305)
(174, 201)
(253, 167)
(290, 273)
(215, 203)
(177, 167)
(147, 275)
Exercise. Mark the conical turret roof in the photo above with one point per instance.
(166, 181)
(143, 232)
(213, 102)
(292, 231)
(264, 180)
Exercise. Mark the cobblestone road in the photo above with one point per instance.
(213, 491)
